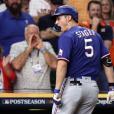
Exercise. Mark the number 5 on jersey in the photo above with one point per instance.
(88, 48)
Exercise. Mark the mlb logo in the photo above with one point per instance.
(60, 52)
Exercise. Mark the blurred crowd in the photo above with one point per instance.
(29, 42)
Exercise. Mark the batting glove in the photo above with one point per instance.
(57, 97)
(110, 96)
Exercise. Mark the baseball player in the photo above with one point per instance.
(81, 53)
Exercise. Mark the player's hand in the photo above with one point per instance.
(57, 97)
(110, 96)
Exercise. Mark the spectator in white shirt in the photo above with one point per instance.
(38, 6)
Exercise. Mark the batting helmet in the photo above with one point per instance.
(66, 10)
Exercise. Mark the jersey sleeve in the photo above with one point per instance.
(65, 47)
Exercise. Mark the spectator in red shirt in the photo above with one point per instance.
(7, 75)
(108, 19)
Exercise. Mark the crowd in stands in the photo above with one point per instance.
(29, 42)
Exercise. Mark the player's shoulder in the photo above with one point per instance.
(79, 28)
(69, 32)
(65, 35)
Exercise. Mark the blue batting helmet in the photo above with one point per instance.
(66, 10)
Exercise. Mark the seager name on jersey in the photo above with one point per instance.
(85, 33)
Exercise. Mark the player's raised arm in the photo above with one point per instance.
(107, 64)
